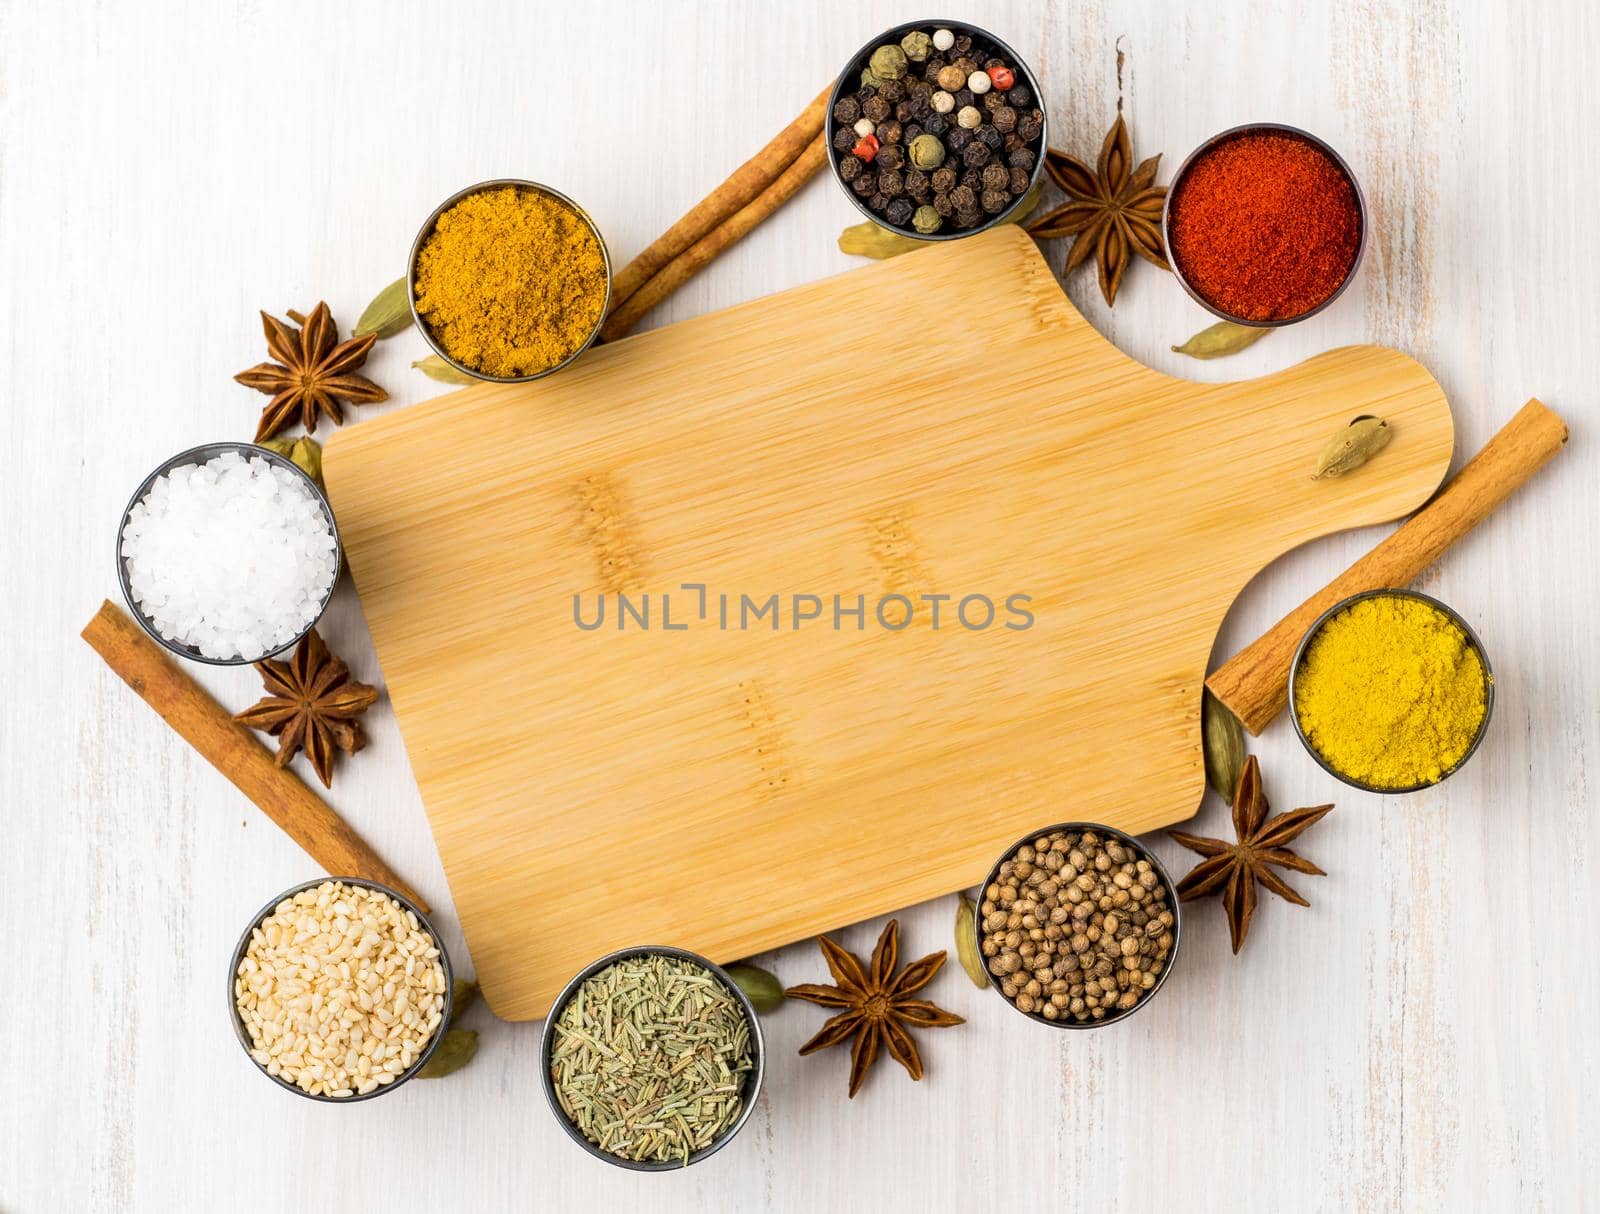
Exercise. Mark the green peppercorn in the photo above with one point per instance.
(927, 220)
(870, 79)
(927, 152)
(916, 45)
(888, 62)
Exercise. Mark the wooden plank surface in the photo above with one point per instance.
(1422, 1037)
(757, 453)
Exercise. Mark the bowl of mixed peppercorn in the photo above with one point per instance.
(936, 129)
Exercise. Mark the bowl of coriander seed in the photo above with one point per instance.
(1078, 925)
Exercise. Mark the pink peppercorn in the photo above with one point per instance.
(1002, 77)
(866, 147)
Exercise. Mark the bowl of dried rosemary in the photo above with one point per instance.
(652, 1058)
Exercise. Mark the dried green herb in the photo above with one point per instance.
(388, 313)
(304, 453)
(874, 240)
(463, 994)
(1221, 339)
(435, 367)
(1353, 446)
(763, 990)
(967, 942)
(648, 1059)
(1223, 738)
(454, 1052)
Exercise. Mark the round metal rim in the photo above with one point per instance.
(1449, 613)
(854, 65)
(1172, 896)
(427, 228)
(199, 455)
(422, 1060)
(1256, 128)
(752, 1083)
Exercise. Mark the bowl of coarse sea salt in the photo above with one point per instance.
(228, 553)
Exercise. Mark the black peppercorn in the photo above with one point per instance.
(957, 139)
(846, 110)
(917, 183)
(890, 183)
(963, 44)
(1021, 96)
(942, 204)
(912, 130)
(965, 62)
(889, 132)
(1031, 127)
(921, 91)
(902, 111)
(989, 137)
(1012, 142)
(935, 124)
(1005, 120)
(976, 154)
(875, 108)
(972, 179)
(995, 177)
(878, 201)
(850, 168)
(892, 91)
(865, 94)
(995, 201)
(944, 179)
(964, 98)
(865, 185)
(1018, 180)
(993, 101)
(899, 212)
(969, 219)
(889, 156)
(844, 139)
(930, 71)
(917, 109)
(993, 62)
(963, 198)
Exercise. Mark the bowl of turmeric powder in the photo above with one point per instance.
(509, 280)
(1391, 691)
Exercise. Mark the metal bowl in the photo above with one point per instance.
(427, 229)
(1259, 128)
(752, 1082)
(199, 455)
(1472, 639)
(1172, 901)
(849, 82)
(410, 1072)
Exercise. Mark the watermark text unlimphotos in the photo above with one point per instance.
(693, 605)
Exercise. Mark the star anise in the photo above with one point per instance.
(1235, 869)
(312, 703)
(314, 372)
(876, 1005)
(1113, 211)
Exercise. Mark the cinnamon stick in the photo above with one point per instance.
(695, 258)
(746, 183)
(235, 751)
(1254, 683)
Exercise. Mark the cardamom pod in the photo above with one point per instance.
(304, 453)
(763, 990)
(463, 994)
(1223, 739)
(1221, 339)
(1353, 446)
(388, 313)
(454, 1052)
(967, 942)
(874, 240)
(435, 367)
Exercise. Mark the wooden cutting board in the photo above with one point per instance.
(943, 423)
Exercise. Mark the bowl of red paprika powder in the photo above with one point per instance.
(1265, 225)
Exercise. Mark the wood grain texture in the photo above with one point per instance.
(1128, 507)
(1421, 1038)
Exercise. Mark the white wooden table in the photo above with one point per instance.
(1423, 1036)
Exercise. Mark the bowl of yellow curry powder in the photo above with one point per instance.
(1391, 691)
(509, 280)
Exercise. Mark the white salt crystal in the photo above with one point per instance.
(233, 557)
